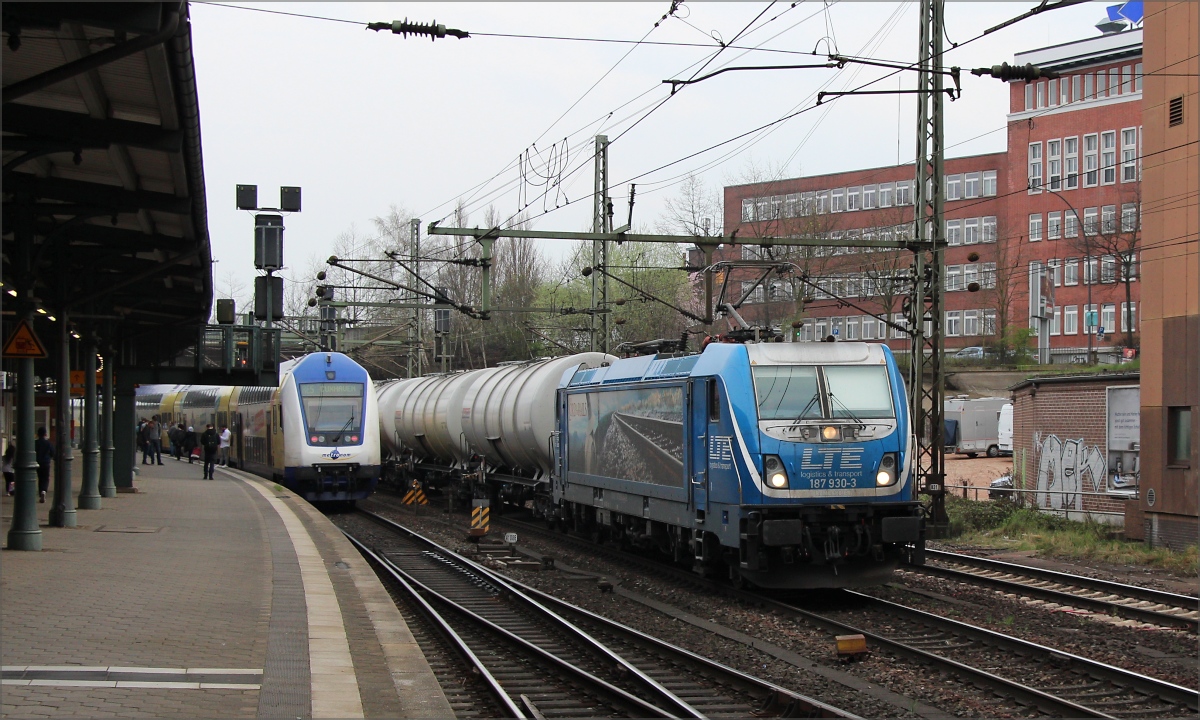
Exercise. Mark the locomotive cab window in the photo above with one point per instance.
(807, 392)
(859, 391)
(787, 392)
(332, 412)
(714, 401)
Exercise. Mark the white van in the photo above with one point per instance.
(1005, 430)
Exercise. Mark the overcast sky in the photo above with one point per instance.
(365, 120)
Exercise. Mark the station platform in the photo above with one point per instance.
(229, 598)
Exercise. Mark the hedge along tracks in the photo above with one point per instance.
(1132, 602)
(1053, 681)
(653, 679)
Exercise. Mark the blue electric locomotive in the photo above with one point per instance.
(784, 465)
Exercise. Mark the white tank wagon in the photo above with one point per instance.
(482, 426)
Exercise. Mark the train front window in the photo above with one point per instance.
(859, 391)
(787, 392)
(332, 412)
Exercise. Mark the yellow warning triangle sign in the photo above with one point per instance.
(24, 343)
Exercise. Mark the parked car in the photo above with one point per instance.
(1001, 488)
(975, 352)
(1004, 429)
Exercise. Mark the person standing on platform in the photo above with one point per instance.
(175, 435)
(154, 436)
(190, 443)
(9, 467)
(44, 450)
(210, 442)
(143, 441)
(226, 436)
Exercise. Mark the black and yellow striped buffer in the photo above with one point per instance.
(416, 496)
(480, 520)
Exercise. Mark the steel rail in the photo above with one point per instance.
(439, 623)
(777, 700)
(1021, 693)
(1188, 603)
(1167, 691)
(655, 688)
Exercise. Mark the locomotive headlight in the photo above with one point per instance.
(887, 470)
(831, 433)
(776, 475)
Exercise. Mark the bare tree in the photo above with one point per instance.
(1116, 234)
(694, 211)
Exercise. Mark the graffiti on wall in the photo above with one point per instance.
(1062, 465)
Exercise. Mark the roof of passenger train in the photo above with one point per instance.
(315, 367)
(718, 355)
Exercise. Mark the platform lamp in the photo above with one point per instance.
(268, 249)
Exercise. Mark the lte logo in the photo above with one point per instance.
(851, 459)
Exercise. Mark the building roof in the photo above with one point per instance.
(1089, 51)
(103, 170)
(1106, 377)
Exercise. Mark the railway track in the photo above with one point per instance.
(541, 657)
(1054, 682)
(1128, 601)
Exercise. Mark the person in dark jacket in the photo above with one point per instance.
(190, 443)
(209, 442)
(44, 450)
(175, 435)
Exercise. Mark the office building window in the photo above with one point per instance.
(1091, 320)
(1070, 320)
(1129, 158)
(1090, 266)
(1089, 221)
(971, 231)
(1128, 317)
(1137, 77)
(953, 278)
(1064, 92)
(1052, 93)
(1108, 269)
(808, 203)
(1071, 271)
(751, 252)
(839, 200)
(885, 195)
(971, 185)
(1108, 156)
(1091, 160)
(1054, 268)
(989, 322)
(1056, 321)
(1054, 163)
(1108, 318)
(899, 323)
(823, 202)
(791, 205)
(989, 183)
(1126, 79)
(1029, 97)
(1071, 162)
(1114, 81)
(987, 275)
(1035, 227)
(852, 325)
(970, 274)
(970, 322)
(1076, 88)
(1070, 224)
(1108, 219)
(904, 192)
(953, 323)
(1101, 84)
(1053, 225)
(868, 328)
(1179, 437)
(747, 211)
(954, 187)
(1035, 167)
(1128, 266)
(854, 198)
(989, 229)
(868, 197)
(954, 232)
(1088, 88)
(1041, 95)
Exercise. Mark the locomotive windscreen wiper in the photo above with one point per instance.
(815, 398)
(344, 429)
(850, 412)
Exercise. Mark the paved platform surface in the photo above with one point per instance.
(226, 598)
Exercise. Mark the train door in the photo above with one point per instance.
(239, 447)
(698, 422)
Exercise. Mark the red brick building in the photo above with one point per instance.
(1062, 201)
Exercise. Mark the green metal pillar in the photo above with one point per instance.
(62, 512)
(124, 426)
(89, 491)
(107, 487)
(25, 534)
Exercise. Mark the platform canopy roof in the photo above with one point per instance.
(105, 217)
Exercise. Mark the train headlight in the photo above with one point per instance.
(831, 433)
(775, 472)
(887, 470)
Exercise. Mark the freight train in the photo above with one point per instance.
(316, 434)
(779, 465)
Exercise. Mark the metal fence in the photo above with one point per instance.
(1022, 499)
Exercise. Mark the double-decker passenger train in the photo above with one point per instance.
(784, 465)
(317, 433)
